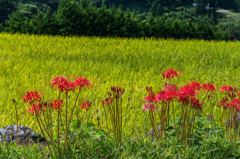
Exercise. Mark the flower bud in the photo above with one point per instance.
(13, 100)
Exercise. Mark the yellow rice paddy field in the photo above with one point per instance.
(30, 62)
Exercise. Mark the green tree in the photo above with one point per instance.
(154, 7)
(118, 22)
(37, 24)
(29, 10)
(176, 29)
(72, 18)
(131, 25)
(17, 23)
(1, 28)
(6, 8)
(44, 23)
(50, 22)
(200, 6)
(159, 10)
(190, 30)
(215, 5)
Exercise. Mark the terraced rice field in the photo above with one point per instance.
(30, 62)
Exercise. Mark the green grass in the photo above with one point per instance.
(132, 147)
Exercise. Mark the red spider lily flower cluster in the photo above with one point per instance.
(81, 82)
(223, 102)
(170, 93)
(85, 105)
(167, 95)
(31, 97)
(151, 99)
(66, 86)
(195, 103)
(62, 84)
(195, 85)
(36, 108)
(170, 73)
(117, 90)
(226, 88)
(231, 92)
(107, 101)
(186, 95)
(56, 104)
(235, 104)
(149, 106)
(208, 87)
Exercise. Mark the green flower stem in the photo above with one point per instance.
(70, 121)
(83, 120)
(62, 122)
(173, 116)
(184, 123)
(66, 135)
(43, 126)
(192, 121)
(153, 124)
(16, 121)
(51, 134)
(105, 117)
(42, 131)
(58, 123)
(179, 127)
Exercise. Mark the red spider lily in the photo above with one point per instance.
(232, 93)
(170, 73)
(160, 96)
(195, 85)
(170, 87)
(31, 97)
(58, 80)
(223, 102)
(208, 87)
(226, 88)
(117, 90)
(187, 91)
(149, 89)
(56, 104)
(81, 82)
(46, 104)
(62, 84)
(185, 94)
(195, 103)
(107, 101)
(66, 86)
(239, 94)
(151, 99)
(169, 96)
(235, 104)
(169, 93)
(149, 106)
(85, 105)
(37, 108)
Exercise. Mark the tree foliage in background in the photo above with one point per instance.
(17, 23)
(70, 18)
(29, 10)
(6, 7)
(73, 18)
